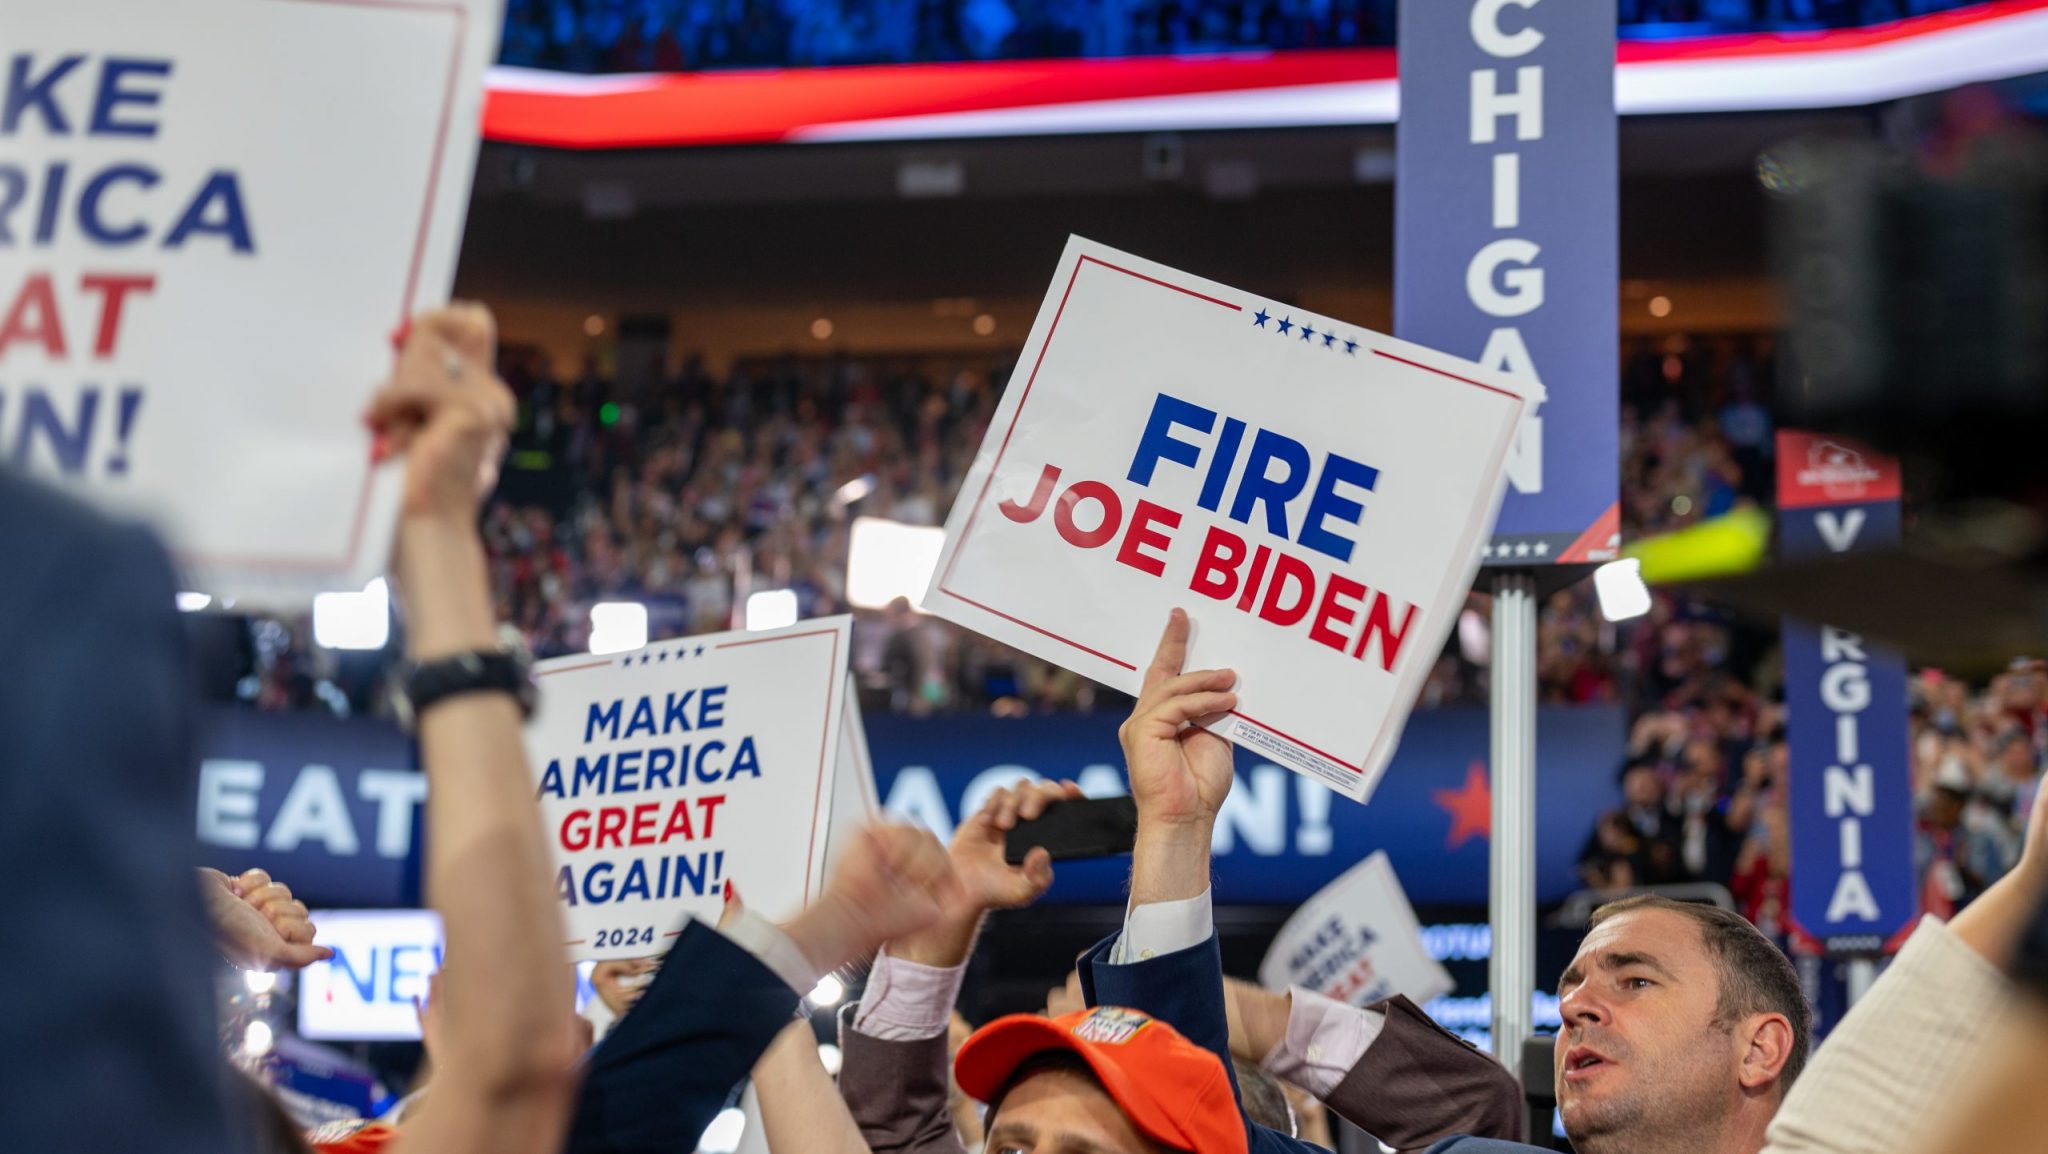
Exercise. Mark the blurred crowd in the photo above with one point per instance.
(684, 35)
(689, 492)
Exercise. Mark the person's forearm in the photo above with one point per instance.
(1993, 924)
(945, 945)
(1170, 862)
(1258, 1019)
(800, 1107)
(507, 1024)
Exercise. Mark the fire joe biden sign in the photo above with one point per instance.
(1313, 493)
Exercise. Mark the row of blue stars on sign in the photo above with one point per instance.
(1516, 549)
(646, 656)
(1286, 326)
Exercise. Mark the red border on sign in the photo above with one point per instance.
(412, 274)
(1471, 540)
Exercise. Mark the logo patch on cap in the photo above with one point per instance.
(1111, 1026)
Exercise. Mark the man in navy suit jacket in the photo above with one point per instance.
(97, 775)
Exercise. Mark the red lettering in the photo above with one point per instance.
(1142, 535)
(1378, 620)
(32, 319)
(113, 289)
(710, 807)
(1025, 514)
(611, 822)
(679, 822)
(1319, 630)
(643, 824)
(1286, 569)
(577, 826)
(1112, 514)
(1251, 583)
(1216, 569)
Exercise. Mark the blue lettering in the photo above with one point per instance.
(112, 96)
(745, 761)
(593, 892)
(40, 421)
(660, 763)
(1328, 503)
(89, 205)
(565, 886)
(551, 779)
(24, 93)
(397, 971)
(223, 189)
(703, 753)
(711, 708)
(626, 772)
(599, 716)
(1158, 440)
(693, 872)
(675, 712)
(643, 718)
(13, 190)
(1257, 487)
(1219, 465)
(366, 985)
(635, 882)
(53, 198)
(592, 772)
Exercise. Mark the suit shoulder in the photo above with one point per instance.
(51, 539)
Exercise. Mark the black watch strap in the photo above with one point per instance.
(430, 682)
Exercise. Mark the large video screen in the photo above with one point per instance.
(592, 36)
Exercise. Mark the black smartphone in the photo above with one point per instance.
(1090, 827)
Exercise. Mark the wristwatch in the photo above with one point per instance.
(419, 685)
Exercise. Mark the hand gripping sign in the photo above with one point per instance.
(665, 773)
(1313, 493)
(213, 216)
(1356, 941)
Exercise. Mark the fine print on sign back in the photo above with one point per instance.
(1313, 493)
(665, 773)
(215, 215)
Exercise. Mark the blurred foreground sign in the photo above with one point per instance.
(1313, 493)
(1356, 941)
(215, 213)
(664, 773)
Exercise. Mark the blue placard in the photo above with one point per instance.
(1505, 242)
(1850, 800)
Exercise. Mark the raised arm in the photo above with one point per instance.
(507, 1035)
(895, 1079)
(1913, 1044)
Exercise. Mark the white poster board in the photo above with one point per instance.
(1356, 941)
(225, 209)
(666, 772)
(855, 800)
(1313, 493)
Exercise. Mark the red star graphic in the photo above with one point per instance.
(1471, 807)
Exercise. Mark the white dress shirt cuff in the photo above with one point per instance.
(908, 1001)
(1325, 1039)
(1163, 928)
(773, 948)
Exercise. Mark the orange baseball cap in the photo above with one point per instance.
(1171, 1089)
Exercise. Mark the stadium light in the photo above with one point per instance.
(830, 1058)
(827, 992)
(888, 559)
(1619, 585)
(617, 626)
(259, 981)
(353, 620)
(771, 609)
(257, 1039)
(193, 602)
(723, 1135)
